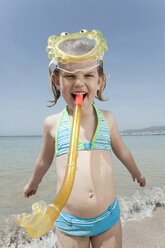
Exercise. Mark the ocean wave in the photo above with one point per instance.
(13, 236)
(141, 204)
(137, 207)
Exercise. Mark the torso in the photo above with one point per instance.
(93, 190)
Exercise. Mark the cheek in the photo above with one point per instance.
(62, 84)
(65, 86)
(97, 86)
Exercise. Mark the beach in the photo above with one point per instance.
(142, 209)
(147, 233)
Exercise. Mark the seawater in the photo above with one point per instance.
(17, 158)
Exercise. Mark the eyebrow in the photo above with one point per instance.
(89, 72)
(68, 73)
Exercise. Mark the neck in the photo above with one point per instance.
(85, 113)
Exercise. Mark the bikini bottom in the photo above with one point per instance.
(89, 227)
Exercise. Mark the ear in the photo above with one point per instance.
(101, 81)
(55, 81)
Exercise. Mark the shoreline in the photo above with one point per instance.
(146, 233)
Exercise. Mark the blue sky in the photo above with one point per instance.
(135, 61)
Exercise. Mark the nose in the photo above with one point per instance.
(78, 82)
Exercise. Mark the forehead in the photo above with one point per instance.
(83, 66)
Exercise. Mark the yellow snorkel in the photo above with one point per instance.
(43, 216)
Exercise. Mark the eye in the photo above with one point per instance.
(83, 31)
(89, 75)
(64, 34)
(69, 76)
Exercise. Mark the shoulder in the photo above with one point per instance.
(50, 124)
(51, 120)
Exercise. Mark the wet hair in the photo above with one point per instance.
(76, 47)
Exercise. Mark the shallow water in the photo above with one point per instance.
(17, 157)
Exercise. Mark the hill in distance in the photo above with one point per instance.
(154, 130)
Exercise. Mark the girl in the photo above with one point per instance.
(92, 214)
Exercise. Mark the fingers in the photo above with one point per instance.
(141, 180)
(143, 183)
(29, 193)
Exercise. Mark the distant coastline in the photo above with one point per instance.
(154, 130)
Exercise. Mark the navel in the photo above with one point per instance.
(91, 194)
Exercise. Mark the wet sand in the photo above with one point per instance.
(147, 233)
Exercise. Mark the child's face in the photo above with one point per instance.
(82, 82)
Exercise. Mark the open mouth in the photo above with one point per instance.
(74, 95)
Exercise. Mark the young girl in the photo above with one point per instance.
(92, 214)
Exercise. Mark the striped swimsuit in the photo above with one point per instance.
(101, 139)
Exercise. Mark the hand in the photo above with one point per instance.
(141, 180)
(29, 190)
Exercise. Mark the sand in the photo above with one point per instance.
(147, 233)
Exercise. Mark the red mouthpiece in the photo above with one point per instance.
(79, 99)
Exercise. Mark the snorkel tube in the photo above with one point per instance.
(43, 216)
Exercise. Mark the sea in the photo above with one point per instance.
(17, 158)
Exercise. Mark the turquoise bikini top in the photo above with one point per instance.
(101, 139)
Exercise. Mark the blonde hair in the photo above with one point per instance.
(76, 47)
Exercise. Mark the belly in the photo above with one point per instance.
(93, 190)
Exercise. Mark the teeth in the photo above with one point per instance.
(79, 93)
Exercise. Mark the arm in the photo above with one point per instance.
(123, 153)
(43, 161)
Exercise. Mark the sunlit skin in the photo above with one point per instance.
(79, 82)
(94, 190)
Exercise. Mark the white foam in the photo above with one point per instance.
(138, 206)
(141, 204)
(14, 236)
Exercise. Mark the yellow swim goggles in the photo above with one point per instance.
(76, 48)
